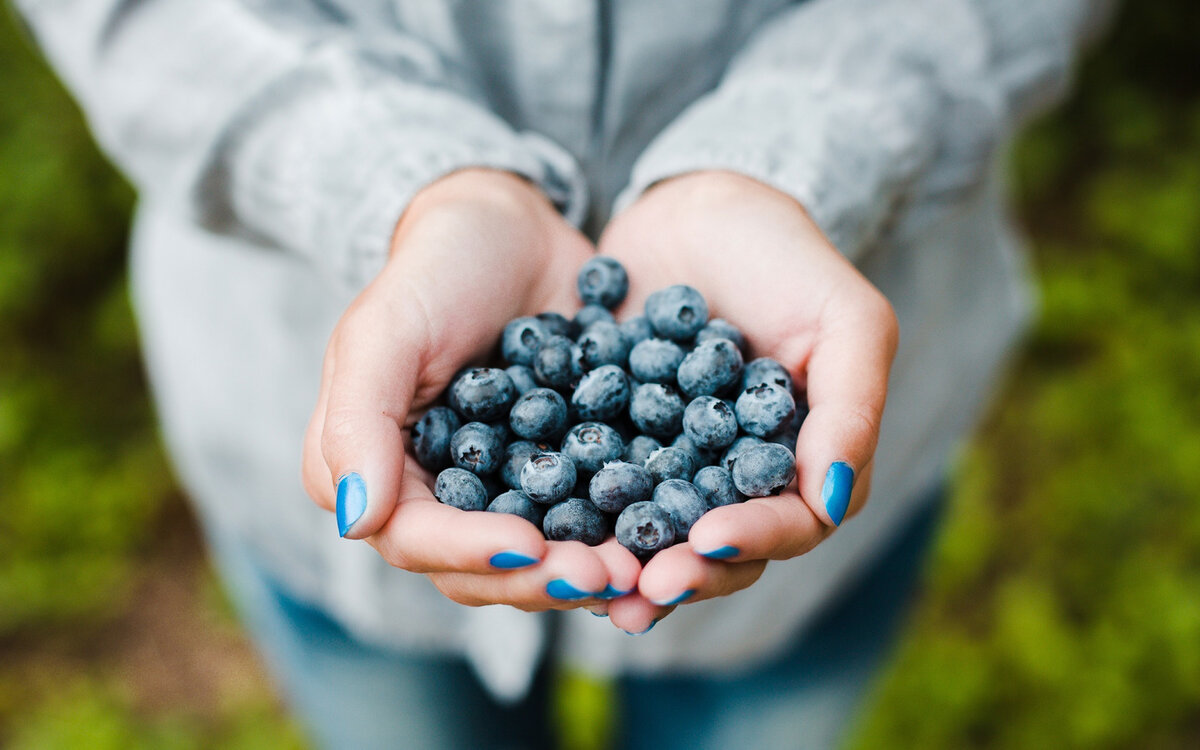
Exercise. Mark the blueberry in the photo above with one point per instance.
(637, 329)
(764, 409)
(603, 281)
(677, 312)
(476, 448)
(461, 489)
(645, 528)
(716, 485)
(683, 501)
(431, 437)
(764, 470)
(709, 423)
(516, 455)
(557, 325)
(518, 504)
(670, 463)
(619, 484)
(719, 328)
(520, 340)
(522, 378)
(575, 520)
(589, 314)
(655, 360)
(711, 368)
(554, 363)
(603, 344)
(503, 434)
(482, 394)
(657, 409)
(591, 444)
(766, 370)
(741, 445)
(639, 449)
(540, 414)
(548, 477)
(602, 393)
(684, 443)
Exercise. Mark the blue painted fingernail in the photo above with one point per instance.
(835, 494)
(560, 589)
(722, 553)
(679, 599)
(509, 560)
(598, 614)
(647, 630)
(610, 592)
(351, 501)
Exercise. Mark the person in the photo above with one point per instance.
(341, 203)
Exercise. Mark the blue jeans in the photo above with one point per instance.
(353, 695)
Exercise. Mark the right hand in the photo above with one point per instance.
(472, 251)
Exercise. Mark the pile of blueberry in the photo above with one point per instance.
(596, 427)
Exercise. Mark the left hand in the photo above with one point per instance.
(763, 265)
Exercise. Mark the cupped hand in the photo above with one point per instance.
(763, 265)
(472, 251)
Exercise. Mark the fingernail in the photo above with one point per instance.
(835, 494)
(508, 560)
(647, 630)
(679, 599)
(560, 589)
(598, 614)
(610, 592)
(351, 501)
(721, 553)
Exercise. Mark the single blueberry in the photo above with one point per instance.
(709, 423)
(554, 363)
(670, 463)
(764, 409)
(742, 444)
(619, 484)
(657, 409)
(520, 340)
(589, 314)
(431, 437)
(711, 368)
(645, 528)
(719, 328)
(518, 504)
(591, 444)
(503, 434)
(461, 489)
(539, 414)
(685, 443)
(482, 394)
(557, 325)
(575, 519)
(603, 281)
(548, 477)
(677, 312)
(655, 360)
(639, 449)
(476, 448)
(516, 455)
(764, 470)
(522, 378)
(683, 502)
(766, 370)
(603, 344)
(637, 329)
(716, 485)
(602, 394)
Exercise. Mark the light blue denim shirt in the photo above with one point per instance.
(274, 145)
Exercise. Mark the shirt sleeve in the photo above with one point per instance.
(862, 109)
(298, 131)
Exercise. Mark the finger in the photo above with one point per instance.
(313, 470)
(847, 378)
(424, 536)
(635, 614)
(778, 527)
(571, 575)
(377, 353)
(623, 568)
(678, 575)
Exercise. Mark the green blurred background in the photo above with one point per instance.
(1061, 607)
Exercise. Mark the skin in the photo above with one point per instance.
(479, 248)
